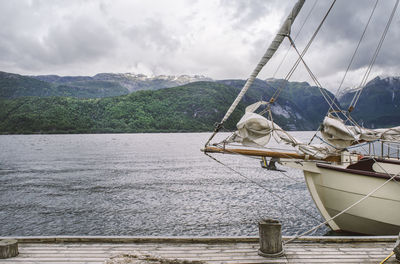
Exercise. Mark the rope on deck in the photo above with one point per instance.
(383, 261)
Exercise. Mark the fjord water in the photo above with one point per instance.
(142, 185)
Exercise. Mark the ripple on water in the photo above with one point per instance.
(140, 184)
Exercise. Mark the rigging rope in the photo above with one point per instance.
(355, 51)
(382, 168)
(357, 94)
(372, 62)
(331, 101)
(348, 117)
(262, 187)
(283, 31)
(282, 172)
(355, 99)
(294, 67)
(328, 99)
(297, 34)
(343, 211)
(292, 70)
(383, 261)
(393, 176)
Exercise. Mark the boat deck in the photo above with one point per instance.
(118, 250)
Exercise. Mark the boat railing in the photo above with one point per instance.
(384, 149)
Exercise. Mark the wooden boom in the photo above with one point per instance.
(265, 153)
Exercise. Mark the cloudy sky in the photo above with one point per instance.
(217, 38)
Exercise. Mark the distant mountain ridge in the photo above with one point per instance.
(15, 85)
(102, 103)
(130, 81)
(379, 102)
(97, 86)
(192, 107)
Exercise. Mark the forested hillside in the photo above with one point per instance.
(193, 107)
(15, 85)
(75, 105)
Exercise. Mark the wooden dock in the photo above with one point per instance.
(118, 250)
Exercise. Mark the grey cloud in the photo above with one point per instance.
(344, 27)
(72, 39)
(81, 39)
(43, 35)
(153, 34)
(246, 12)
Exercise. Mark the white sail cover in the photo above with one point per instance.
(339, 135)
(255, 130)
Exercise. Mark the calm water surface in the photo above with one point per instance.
(141, 184)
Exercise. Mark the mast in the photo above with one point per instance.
(282, 33)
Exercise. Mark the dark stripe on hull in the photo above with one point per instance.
(388, 161)
(359, 172)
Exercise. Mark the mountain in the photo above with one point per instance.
(130, 81)
(76, 105)
(192, 107)
(298, 108)
(15, 85)
(62, 79)
(135, 82)
(98, 86)
(379, 103)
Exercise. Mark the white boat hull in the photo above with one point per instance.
(333, 191)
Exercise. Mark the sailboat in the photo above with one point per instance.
(354, 190)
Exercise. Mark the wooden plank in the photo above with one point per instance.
(50, 259)
(132, 239)
(167, 255)
(123, 245)
(305, 252)
(324, 256)
(253, 261)
(38, 262)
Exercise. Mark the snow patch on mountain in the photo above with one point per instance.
(279, 110)
(131, 81)
(134, 82)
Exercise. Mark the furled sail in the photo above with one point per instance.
(339, 135)
(254, 130)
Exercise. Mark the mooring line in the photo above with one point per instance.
(312, 230)
(262, 187)
(343, 211)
